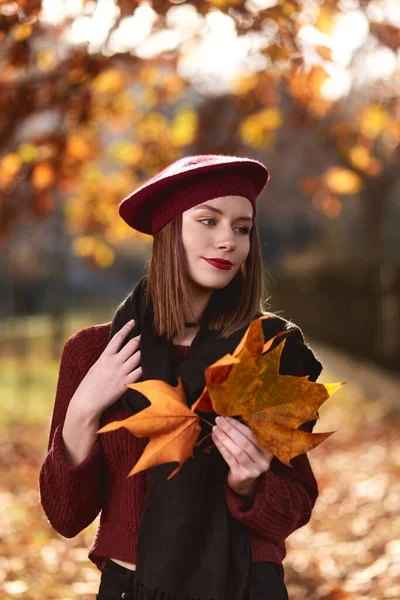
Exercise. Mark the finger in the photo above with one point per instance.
(129, 349)
(242, 427)
(134, 375)
(241, 465)
(247, 432)
(238, 443)
(226, 454)
(116, 341)
(132, 362)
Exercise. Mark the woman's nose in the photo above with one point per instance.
(228, 245)
(227, 241)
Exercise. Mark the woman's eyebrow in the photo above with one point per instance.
(217, 210)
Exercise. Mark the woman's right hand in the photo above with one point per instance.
(107, 378)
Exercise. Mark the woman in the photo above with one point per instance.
(217, 529)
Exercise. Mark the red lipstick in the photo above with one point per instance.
(220, 264)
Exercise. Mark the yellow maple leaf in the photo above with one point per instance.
(272, 405)
(250, 347)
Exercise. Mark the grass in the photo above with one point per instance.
(28, 367)
(27, 390)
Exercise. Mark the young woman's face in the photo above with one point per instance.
(220, 231)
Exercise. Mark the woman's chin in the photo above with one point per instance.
(214, 283)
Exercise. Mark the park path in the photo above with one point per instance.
(372, 379)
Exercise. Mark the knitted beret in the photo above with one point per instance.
(190, 181)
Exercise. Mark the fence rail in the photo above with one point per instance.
(356, 308)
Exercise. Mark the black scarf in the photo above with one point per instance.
(190, 547)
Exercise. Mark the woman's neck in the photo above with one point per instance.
(187, 338)
(198, 302)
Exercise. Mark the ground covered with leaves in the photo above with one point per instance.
(349, 550)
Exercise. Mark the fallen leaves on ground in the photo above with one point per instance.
(350, 550)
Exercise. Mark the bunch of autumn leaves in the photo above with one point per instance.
(246, 383)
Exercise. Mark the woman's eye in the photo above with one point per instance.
(244, 230)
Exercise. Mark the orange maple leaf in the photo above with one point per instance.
(172, 426)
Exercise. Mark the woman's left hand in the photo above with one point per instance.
(241, 450)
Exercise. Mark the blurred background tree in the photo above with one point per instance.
(98, 96)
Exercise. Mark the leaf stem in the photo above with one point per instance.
(202, 439)
(210, 424)
(205, 420)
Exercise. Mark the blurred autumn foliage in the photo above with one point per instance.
(83, 123)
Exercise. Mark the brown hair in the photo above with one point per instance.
(229, 309)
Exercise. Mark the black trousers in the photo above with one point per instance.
(267, 583)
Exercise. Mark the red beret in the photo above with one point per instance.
(188, 182)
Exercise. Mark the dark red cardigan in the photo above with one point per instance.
(73, 496)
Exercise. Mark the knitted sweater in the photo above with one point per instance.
(73, 496)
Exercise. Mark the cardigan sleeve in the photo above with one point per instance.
(70, 494)
(285, 496)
